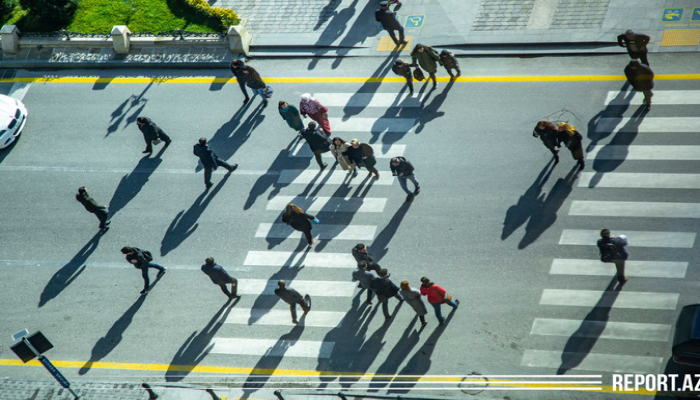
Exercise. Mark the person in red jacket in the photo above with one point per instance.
(437, 296)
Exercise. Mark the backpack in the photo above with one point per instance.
(608, 251)
(147, 255)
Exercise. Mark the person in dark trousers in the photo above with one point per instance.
(436, 296)
(641, 77)
(299, 220)
(143, 260)
(385, 289)
(413, 298)
(361, 154)
(292, 297)
(248, 76)
(621, 254)
(401, 68)
(450, 62)
(219, 276)
(151, 133)
(364, 278)
(636, 45)
(403, 169)
(362, 255)
(209, 160)
(428, 59)
(91, 206)
(291, 116)
(318, 141)
(549, 135)
(573, 141)
(389, 22)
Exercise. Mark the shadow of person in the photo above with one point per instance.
(333, 30)
(326, 11)
(132, 183)
(196, 347)
(431, 111)
(111, 340)
(69, 272)
(545, 215)
(367, 353)
(271, 178)
(386, 126)
(612, 113)
(185, 222)
(368, 88)
(396, 356)
(380, 245)
(527, 204)
(341, 212)
(584, 338)
(126, 108)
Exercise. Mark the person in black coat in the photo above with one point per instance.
(140, 259)
(292, 297)
(641, 77)
(363, 256)
(401, 68)
(403, 169)
(621, 254)
(209, 160)
(549, 135)
(636, 45)
(364, 278)
(299, 220)
(151, 133)
(248, 76)
(318, 142)
(389, 22)
(385, 288)
(219, 276)
(91, 206)
(361, 154)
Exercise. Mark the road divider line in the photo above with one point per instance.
(591, 362)
(645, 209)
(321, 231)
(329, 204)
(299, 259)
(639, 269)
(609, 299)
(266, 316)
(601, 329)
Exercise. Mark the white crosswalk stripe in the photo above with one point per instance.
(601, 329)
(583, 237)
(617, 152)
(307, 259)
(592, 361)
(634, 209)
(329, 177)
(634, 180)
(661, 97)
(320, 231)
(641, 269)
(272, 347)
(301, 149)
(372, 125)
(313, 288)
(329, 204)
(648, 125)
(282, 317)
(383, 100)
(612, 299)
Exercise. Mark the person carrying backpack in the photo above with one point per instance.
(612, 250)
(143, 260)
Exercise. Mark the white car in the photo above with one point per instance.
(13, 116)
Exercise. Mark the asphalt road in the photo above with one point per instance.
(491, 221)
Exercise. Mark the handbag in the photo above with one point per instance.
(268, 92)
(448, 298)
(418, 74)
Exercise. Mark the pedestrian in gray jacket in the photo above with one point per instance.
(389, 22)
(365, 278)
(413, 298)
(292, 297)
(219, 276)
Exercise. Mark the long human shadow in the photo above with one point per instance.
(368, 352)
(341, 214)
(431, 111)
(132, 183)
(185, 222)
(131, 108)
(581, 342)
(70, 271)
(325, 11)
(265, 181)
(544, 216)
(111, 340)
(333, 30)
(398, 354)
(528, 203)
(385, 127)
(369, 87)
(380, 245)
(613, 113)
(618, 146)
(197, 346)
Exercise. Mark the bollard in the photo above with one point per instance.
(10, 39)
(120, 39)
(238, 37)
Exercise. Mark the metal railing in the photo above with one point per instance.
(68, 35)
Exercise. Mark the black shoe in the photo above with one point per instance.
(323, 166)
(108, 222)
(556, 160)
(294, 321)
(402, 41)
(416, 192)
(233, 167)
(167, 143)
(232, 297)
(423, 324)
(580, 167)
(457, 302)
(161, 273)
(409, 197)
(147, 151)
(144, 291)
(246, 100)
(264, 103)
(359, 286)
(208, 185)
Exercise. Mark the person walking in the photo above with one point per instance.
(612, 250)
(248, 76)
(636, 45)
(549, 135)
(361, 154)
(318, 142)
(428, 59)
(292, 297)
(436, 296)
(413, 298)
(316, 111)
(143, 260)
(219, 276)
(363, 256)
(91, 206)
(641, 77)
(389, 21)
(299, 220)
(402, 68)
(403, 169)
(151, 134)
(573, 141)
(450, 62)
(385, 289)
(209, 160)
(338, 147)
(291, 116)
(364, 278)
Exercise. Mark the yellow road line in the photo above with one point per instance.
(544, 78)
(472, 381)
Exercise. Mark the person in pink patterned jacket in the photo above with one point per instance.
(316, 111)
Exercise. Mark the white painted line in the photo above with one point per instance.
(641, 180)
(313, 288)
(307, 259)
(635, 209)
(305, 176)
(320, 231)
(613, 299)
(648, 124)
(615, 152)
(301, 149)
(282, 317)
(371, 125)
(271, 347)
(641, 269)
(661, 97)
(383, 100)
(601, 329)
(19, 90)
(329, 204)
(581, 237)
(592, 362)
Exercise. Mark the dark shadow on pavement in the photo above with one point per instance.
(267, 180)
(369, 87)
(131, 107)
(131, 184)
(430, 112)
(613, 114)
(527, 204)
(380, 245)
(326, 12)
(398, 354)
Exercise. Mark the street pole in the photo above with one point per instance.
(51, 368)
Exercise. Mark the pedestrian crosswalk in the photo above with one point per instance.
(602, 310)
(300, 149)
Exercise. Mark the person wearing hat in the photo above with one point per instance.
(292, 297)
(401, 68)
(636, 45)
(359, 154)
(316, 111)
(389, 21)
(641, 77)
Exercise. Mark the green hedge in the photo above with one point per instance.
(226, 16)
